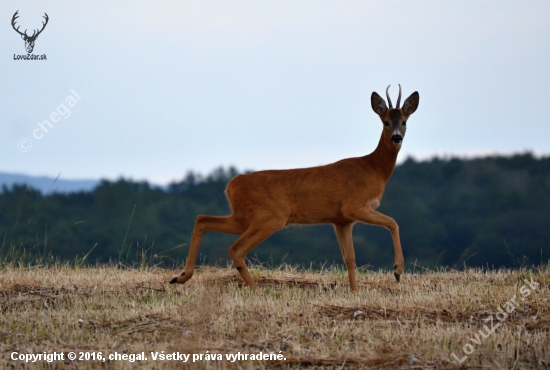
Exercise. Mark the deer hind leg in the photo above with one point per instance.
(204, 224)
(370, 216)
(254, 235)
(345, 239)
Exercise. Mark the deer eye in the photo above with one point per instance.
(404, 123)
(386, 123)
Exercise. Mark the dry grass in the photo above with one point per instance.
(312, 318)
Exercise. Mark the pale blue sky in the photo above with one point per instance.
(172, 86)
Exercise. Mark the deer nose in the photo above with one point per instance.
(397, 139)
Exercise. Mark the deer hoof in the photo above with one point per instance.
(174, 280)
(397, 276)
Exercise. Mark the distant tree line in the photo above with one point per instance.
(492, 211)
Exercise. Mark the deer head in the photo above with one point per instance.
(394, 119)
(29, 40)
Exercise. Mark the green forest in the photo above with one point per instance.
(486, 212)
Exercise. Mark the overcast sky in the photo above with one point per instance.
(171, 86)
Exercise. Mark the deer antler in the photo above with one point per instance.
(15, 16)
(43, 25)
(388, 96)
(398, 98)
(35, 33)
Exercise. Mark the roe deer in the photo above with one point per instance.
(340, 193)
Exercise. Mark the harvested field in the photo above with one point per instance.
(309, 318)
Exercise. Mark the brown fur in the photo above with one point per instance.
(340, 193)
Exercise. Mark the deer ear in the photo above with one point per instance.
(378, 104)
(410, 105)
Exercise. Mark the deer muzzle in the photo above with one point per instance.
(397, 139)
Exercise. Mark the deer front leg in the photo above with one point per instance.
(370, 216)
(345, 239)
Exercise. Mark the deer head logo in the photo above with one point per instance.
(29, 40)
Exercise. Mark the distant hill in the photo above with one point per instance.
(46, 184)
(484, 212)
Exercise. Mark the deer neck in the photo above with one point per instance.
(383, 158)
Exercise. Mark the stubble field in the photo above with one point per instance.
(308, 319)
